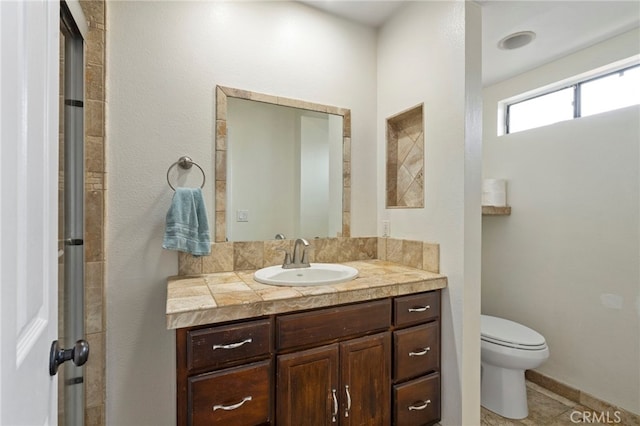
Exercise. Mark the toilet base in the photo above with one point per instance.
(504, 391)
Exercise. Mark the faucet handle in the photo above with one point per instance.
(305, 255)
(287, 256)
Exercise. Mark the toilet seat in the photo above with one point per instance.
(510, 334)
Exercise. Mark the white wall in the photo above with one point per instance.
(424, 52)
(567, 260)
(164, 61)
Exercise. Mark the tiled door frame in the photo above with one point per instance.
(95, 323)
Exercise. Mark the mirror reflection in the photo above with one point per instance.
(286, 168)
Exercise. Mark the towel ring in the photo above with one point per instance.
(185, 163)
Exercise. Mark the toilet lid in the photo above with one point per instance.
(509, 333)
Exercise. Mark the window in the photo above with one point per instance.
(541, 110)
(607, 92)
(612, 91)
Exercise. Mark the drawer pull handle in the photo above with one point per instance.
(346, 413)
(424, 405)
(421, 352)
(420, 309)
(233, 345)
(335, 406)
(232, 407)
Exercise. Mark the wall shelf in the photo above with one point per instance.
(496, 210)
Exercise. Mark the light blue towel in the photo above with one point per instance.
(187, 228)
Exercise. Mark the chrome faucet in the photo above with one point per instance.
(300, 255)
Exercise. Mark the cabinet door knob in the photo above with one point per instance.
(335, 406)
(420, 352)
(233, 345)
(422, 406)
(232, 407)
(346, 389)
(419, 309)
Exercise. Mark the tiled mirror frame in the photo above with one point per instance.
(222, 93)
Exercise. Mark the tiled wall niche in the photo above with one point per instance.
(405, 159)
(222, 94)
(238, 256)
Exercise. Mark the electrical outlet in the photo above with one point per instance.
(242, 216)
(386, 228)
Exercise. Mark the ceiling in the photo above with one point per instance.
(562, 27)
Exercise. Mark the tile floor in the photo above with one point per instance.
(545, 409)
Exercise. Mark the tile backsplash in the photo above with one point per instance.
(251, 255)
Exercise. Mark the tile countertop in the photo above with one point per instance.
(226, 296)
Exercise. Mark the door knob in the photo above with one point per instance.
(78, 354)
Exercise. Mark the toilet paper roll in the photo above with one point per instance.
(498, 199)
(494, 185)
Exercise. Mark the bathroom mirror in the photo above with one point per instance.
(282, 167)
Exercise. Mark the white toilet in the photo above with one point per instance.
(507, 349)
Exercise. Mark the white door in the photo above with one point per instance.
(29, 55)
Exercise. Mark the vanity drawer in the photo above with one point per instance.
(416, 350)
(416, 308)
(223, 345)
(235, 396)
(330, 324)
(417, 402)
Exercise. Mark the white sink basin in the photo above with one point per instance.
(316, 274)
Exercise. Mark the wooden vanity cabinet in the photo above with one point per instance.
(417, 401)
(416, 366)
(342, 384)
(367, 363)
(232, 396)
(365, 373)
(225, 374)
(307, 381)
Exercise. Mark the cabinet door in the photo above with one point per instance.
(328, 325)
(235, 396)
(365, 380)
(416, 308)
(417, 402)
(417, 350)
(219, 346)
(307, 387)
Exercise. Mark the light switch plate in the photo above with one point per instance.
(242, 215)
(386, 228)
